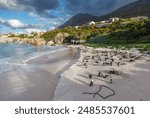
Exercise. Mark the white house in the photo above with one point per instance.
(91, 23)
(101, 25)
(115, 19)
(139, 18)
(76, 27)
(105, 21)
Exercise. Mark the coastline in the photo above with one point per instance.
(35, 79)
(58, 76)
(31, 41)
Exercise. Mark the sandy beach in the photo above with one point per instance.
(71, 75)
(130, 83)
(35, 79)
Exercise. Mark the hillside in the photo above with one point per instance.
(80, 19)
(126, 32)
(139, 8)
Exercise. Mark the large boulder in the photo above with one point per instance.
(51, 43)
(40, 42)
(34, 41)
(59, 38)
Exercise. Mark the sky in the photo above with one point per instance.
(25, 16)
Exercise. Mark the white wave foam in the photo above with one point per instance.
(42, 54)
(11, 63)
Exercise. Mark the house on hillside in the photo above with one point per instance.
(138, 18)
(115, 19)
(105, 22)
(100, 25)
(76, 27)
(91, 23)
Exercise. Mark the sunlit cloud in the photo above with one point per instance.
(17, 24)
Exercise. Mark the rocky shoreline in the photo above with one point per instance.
(32, 41)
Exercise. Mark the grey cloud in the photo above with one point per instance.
(72, 7)
(40, 7)
(96, 7)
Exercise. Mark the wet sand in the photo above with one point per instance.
(36, 79)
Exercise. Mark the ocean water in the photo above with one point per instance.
(13, 55)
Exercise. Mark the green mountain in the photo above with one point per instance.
(138, 8)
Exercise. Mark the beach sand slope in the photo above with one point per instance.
(133, 84)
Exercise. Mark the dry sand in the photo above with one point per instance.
(37, 78)
(132, 85)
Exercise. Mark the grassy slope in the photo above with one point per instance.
(133, 34)
(100, 41)
(125, 33)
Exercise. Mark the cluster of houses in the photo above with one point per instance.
(104, 23)
(101, 23)
(110, 21)
(138, 18)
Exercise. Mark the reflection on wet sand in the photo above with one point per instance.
(37, 79)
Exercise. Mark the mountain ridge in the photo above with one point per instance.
(79, 19)
(138, 8)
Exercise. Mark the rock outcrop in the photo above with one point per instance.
(32, 41)
(59, 38)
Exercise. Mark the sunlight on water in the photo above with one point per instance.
(14, 55)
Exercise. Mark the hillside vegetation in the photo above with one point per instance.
(124, 32)
(129, 34)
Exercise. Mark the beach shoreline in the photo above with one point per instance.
(62, 75)
(35, 79)
(131, 85)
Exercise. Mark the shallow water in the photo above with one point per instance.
(13, 54)
(31, 73)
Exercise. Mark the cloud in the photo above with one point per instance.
(17, 24)
(14, 23)
(8, 4)
(11, 5)
(37, 6)
(32, 14)
(51, 23)
(52, 13)
(72, 7)
(96, 7)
